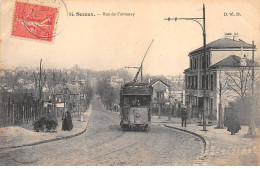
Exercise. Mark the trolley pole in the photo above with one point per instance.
(203, 27)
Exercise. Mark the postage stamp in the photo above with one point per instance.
(34, 21)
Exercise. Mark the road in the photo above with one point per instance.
(104, 143)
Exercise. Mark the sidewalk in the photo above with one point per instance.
(222, 148)
(16, 136)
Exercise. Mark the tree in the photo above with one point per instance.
(39, 81)
(239, 81)
(238, 89)
(107, 93)
(222, 89)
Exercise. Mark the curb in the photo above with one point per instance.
(206, 148)
(50, 140)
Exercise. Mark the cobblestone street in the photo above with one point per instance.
(104, 143)
(221, 147)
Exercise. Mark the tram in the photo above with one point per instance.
(135, 102)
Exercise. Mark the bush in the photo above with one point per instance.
(243, 109)
(45, 124)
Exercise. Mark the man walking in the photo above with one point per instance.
(183, 116)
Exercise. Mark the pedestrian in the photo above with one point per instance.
(183, 115)
(67, 121)
(64, 121)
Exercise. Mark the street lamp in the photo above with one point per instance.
(203, 27)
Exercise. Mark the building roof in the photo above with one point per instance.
(233, 61)
(156, 80)
(135, 84)
(73, 88)
(187, 70)
(224, 43)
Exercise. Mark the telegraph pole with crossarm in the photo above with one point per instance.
(203, 27)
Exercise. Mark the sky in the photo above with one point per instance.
(112, 42)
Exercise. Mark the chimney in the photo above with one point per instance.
(235, 36)
(228, 35)
(243, 60)
(241, 54)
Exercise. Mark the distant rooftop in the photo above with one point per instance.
(224, 43)
(153, 81)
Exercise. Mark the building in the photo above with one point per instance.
(177, 87)
(159, 89)
(116, 81)
(222, 54)
(93, 83)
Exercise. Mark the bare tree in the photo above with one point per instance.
(239, 81)
(239, 85)
(222, 89)
(39, 82)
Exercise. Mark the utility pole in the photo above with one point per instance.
(220, 124)
(205, 71)
(203, 27)
(40, 89)
(13, 112)
(53, 95)
(251, 129)
(170, 105)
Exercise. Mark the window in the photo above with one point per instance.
(201, 61)
(190, 63)
(162, 95)
(211, 104)
(215, 80)
(186, 80)
(195, 63)
(189, 82)
(207, 82)
(211, 81)
(208, 60)
(203, 83)
(194, 101)
(196, 82)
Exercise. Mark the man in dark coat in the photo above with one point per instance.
(184, 116)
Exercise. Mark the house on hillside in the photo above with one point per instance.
(116, 81)
(222, 55)
(159, 97)
(177, 88)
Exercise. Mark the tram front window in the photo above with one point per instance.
(137, 101)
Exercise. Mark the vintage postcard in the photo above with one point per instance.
(129, 83)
